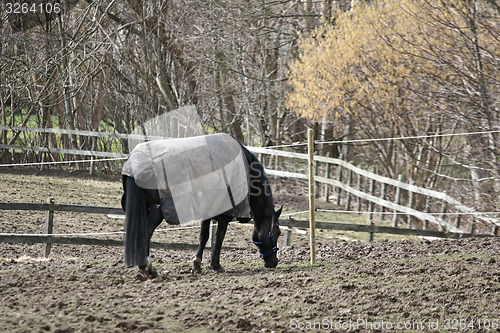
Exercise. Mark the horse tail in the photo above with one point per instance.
(136, 224)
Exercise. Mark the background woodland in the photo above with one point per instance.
(264, 71)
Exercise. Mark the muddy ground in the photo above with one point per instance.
(410, 285)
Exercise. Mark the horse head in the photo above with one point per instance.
(266, 226)
(265, 236)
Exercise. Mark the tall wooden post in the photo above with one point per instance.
(312, 226)
(49, 224)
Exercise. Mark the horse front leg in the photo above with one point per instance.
(223, 221)
(204, 235)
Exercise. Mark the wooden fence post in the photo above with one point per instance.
(410, 204)
(427, 210)
(360, 188)
(340, 178)
(327, 175)
(312, 226)
(443, 214)
(397, 200)
(382, 196)
(371, 207)
(458, 221)
(317, 187)
(49, 224)
(473, 225)
(287, 237)
(91, 167)
(349, 195)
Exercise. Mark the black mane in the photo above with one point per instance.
(260, 189)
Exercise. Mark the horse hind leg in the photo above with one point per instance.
(222, 224)
(147, 272)
(204, 235)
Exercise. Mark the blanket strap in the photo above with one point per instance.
(228, 188)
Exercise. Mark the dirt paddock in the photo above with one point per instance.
(407, 285)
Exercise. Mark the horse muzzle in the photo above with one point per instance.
(271, 262)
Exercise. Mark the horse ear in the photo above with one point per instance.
(278, 212)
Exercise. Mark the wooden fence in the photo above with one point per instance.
(55, 150)
(439, 219)
(343, 184)
(50, 208)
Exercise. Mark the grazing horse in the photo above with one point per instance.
(146, 206)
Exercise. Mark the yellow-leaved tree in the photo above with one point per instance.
(398, 68)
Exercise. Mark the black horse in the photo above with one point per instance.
(143, 215)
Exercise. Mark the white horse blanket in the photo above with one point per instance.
(197, 178)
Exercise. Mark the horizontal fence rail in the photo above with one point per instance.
(47, 239)
(59, 208)
(92, 153)
(79, 132)
(379, 229)
(69, 239)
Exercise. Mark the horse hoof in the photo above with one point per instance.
(141, 276)
(152, 273)
(196, 266)
(218, 269)
(196, 270)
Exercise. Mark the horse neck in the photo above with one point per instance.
(261, 199)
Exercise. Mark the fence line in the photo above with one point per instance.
(340, 185)
(447, 229)
(49, 238)
(80, 132)
(62, 162)
(370, 175)
(371, 228)
(409, 137)
(65, 151)
(153, 137)
(53, 207)
(384, 203)
(397, 213)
